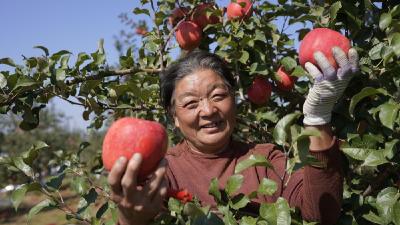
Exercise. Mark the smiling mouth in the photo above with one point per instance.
(211, 125)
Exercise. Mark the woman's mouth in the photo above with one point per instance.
(211, 126)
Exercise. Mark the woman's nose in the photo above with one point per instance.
(207, 108)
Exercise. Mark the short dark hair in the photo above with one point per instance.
(192, 62)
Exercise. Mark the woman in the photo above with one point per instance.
(197, 91)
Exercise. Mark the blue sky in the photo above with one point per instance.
(73, 25)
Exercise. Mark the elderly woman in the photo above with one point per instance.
(198, 92)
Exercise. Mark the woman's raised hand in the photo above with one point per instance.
(329, 84)
(137, 203)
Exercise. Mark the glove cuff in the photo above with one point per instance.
(310, 120)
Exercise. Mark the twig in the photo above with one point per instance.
(77, 80)
(161, 50)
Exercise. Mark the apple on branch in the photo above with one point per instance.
(239, 10)
(188, 35)
(259, 91)
(285, 81)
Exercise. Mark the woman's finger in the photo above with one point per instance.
(159, 197)
(314, 71)
(129, 180)
(325, 66)
(341, 58)
(115, 175)
(153, 185)
(353, 60)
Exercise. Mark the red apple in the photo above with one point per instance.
(285, 82)
(322, 39)
(127, 136)
(200, 17)
(236, 11)
(183, 195)
(260, 91)
(177, 15)
(188, 35)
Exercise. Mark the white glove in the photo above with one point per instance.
(329, 85)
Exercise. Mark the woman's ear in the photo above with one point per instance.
(176, 121)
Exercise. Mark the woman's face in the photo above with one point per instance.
(204, 111)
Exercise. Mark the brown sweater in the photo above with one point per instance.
(316, 192)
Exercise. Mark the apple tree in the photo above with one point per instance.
(255, 41)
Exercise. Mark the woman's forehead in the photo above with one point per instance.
(204, 81)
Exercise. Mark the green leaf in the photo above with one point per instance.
(375, 158)
(357, 153)
(174, 205)
(139, 11)
(365, 92)
(60, 74)
(239, 201)
(385, 201)
(288, 63)
(18, 195)
(375, 52)
(45, 204)
(333, 10)
(268, 212)
(388, 114)
(269, 115)
(54, 182)
(298, 71)
(25, 81)
(395, 43)
(64, 62)
(82, 57)
(3, 81)
(33, 152)
(373, 218)
(192, 210)
(253, 160)
(44, 49)
(248, 220)
(7, 61)
(267, 187)
(244, 57)
(21, 165)
(56, 56)
(310, 131)
(282, 127)
(385, 20)
(390, 148)
(396, 213)
(233, 184)
(283, 212)
(214, 189)
(86, 200)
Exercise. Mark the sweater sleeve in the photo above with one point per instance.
(317, 192)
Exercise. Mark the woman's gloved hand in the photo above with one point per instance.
(329, 84)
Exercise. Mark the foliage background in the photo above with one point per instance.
(366, 119)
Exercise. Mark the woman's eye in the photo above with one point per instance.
(219, 97)
(190, 105)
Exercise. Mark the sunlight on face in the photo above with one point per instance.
(204, 111)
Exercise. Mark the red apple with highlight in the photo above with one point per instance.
(188, 35)
(259, 91)
(285, 82)
(239, 9)
(127, 136)
(322, 39)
